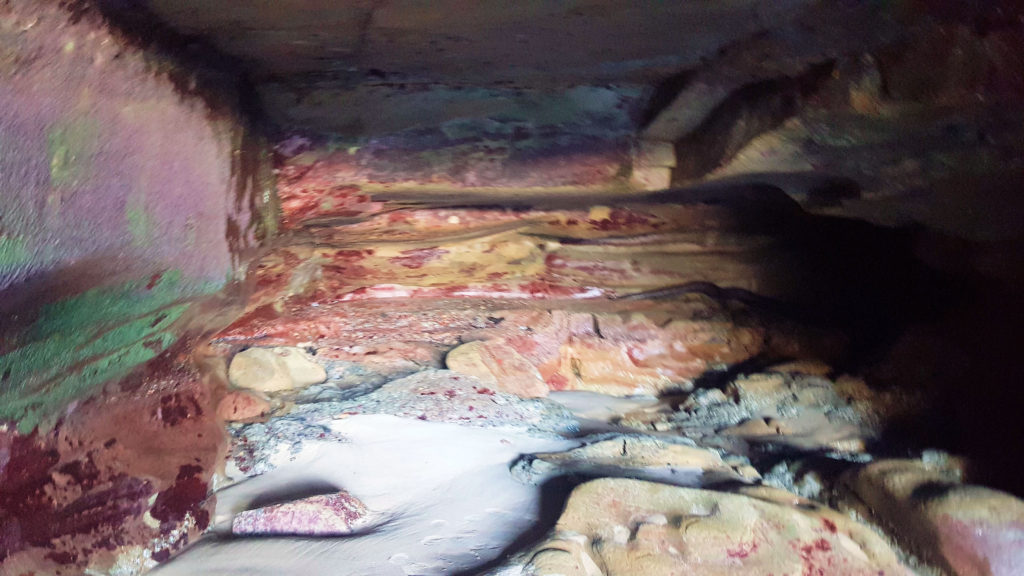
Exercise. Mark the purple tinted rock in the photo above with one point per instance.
(325, 515)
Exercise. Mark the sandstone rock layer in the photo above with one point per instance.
(617, 526)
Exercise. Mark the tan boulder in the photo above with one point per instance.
(498, 365)
(634, 354)
(620, 526)
(800, 411)
(768, 391)
(965, 530)
(597, 365)
(807, 431)
(274, 369)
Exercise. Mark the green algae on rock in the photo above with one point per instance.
(77, 344)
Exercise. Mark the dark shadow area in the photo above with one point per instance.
(746, 113)
(200, 68)
(21, 302)
(292, 492)
(553, 495)
(665, 92)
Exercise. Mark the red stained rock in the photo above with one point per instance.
(302, 203)
(569, 350)
(963, 529)
(184, 497)
(76, 496)
(240, 406)
(307, 178)
(499, 365)
(613, 354)
(477, 253)
(391, 357)
(355, 328)
(417, 257)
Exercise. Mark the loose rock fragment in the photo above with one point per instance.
(239, 406)
(325, 515)
(275, 369)
(803, 412)
(963, 529)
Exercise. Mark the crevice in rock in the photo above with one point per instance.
(664, 94)
(746, 113)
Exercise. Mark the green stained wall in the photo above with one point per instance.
(77, 344)
(122, 201)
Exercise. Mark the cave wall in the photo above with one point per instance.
(123, 196)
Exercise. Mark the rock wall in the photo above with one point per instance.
(122, 195)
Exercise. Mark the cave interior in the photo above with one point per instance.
(546, 287)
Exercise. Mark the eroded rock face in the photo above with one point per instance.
(275, 369)
(111, 220)
(967, 530)
(618, 526)
(617, 354)
(668, 460)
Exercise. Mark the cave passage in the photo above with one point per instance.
(469, 287)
